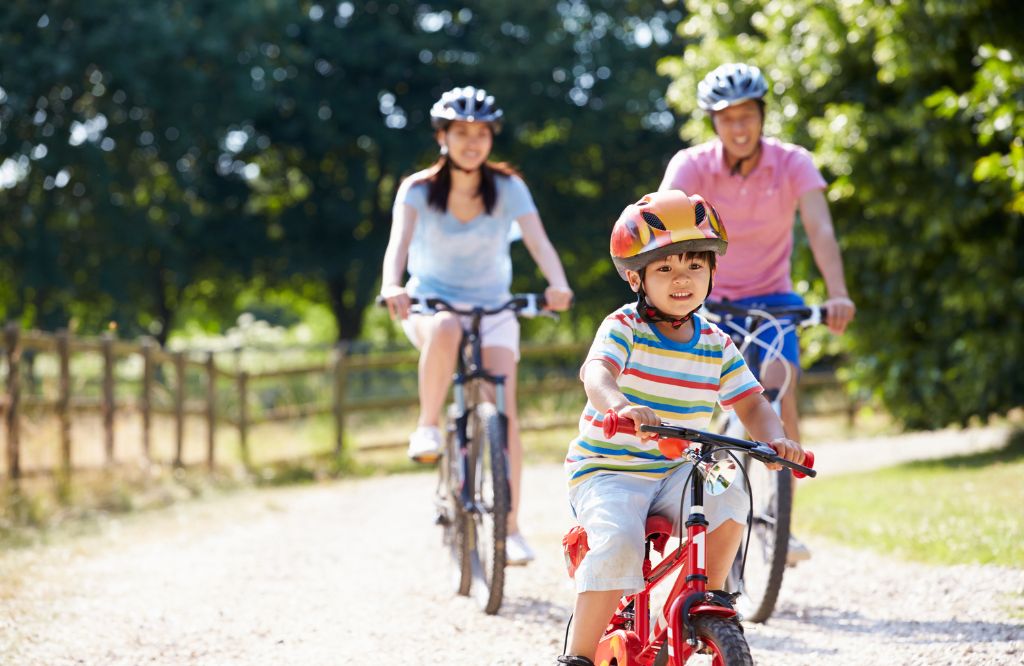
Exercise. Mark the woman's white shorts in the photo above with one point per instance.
(499, 330)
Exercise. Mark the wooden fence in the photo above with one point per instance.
(167, 370)
(18, 344)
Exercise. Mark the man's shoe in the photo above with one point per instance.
(425, 444)
(517, 551)
(796, 552)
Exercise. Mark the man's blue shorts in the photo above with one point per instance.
(790, 343)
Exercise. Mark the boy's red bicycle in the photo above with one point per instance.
(696, 625)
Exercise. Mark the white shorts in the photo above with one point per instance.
(613, 509)
(499, 330)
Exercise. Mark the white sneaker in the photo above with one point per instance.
(797, 551)
(425, 444)
(517, 552)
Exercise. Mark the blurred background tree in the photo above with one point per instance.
(915, 112)
(170, 165)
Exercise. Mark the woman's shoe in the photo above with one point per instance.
(425, 444)
(517, 552)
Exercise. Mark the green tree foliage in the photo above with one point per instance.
(109, 127)
(161, 156)
(352, 87)
(915, 111)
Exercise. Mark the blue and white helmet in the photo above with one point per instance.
(730, 84)
(469, 104)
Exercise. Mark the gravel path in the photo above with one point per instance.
(353, 572)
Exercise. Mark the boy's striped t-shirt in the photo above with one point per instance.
(680, 381)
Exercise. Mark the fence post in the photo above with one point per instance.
(340, 381)
(147, 397)
(12, 333)
(107, 345)
(243, 416)
(179, 408)
(64, 399)
(211, 410)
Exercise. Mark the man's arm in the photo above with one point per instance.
(821, 235)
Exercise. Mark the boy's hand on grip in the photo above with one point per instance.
(640, 415)
(788, 449)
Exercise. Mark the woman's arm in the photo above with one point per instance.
(403, 223)
(558, 293)
(821, 236)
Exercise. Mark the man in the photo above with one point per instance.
(758, 183)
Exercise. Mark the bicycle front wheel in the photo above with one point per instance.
(451, 516)
(721, 643)
(492, 498)
(761, 581)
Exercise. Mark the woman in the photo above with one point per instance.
(452, 226)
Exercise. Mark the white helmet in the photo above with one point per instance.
(469, 104)
(730, 84)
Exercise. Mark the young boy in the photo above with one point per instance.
(653, 361)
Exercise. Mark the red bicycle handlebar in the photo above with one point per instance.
(677, 437)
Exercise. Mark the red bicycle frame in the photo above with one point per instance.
(630, 639)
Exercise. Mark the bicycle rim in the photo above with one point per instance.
(769, 540)
(490, 521)
(454, 521)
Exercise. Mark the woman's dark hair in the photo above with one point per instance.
(439, 183)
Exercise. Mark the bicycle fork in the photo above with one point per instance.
(467, 462)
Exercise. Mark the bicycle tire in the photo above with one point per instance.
(722, 639)
(769, 543)
(453, 519)
(493, 497)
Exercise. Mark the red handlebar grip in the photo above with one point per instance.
(613, 423)
(808, 462)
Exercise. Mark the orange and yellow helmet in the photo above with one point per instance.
(662, 224)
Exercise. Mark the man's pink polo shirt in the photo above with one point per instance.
(758, 211)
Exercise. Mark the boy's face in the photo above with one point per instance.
(676, 285)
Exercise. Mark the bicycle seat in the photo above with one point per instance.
(659, 529)
(574, 544)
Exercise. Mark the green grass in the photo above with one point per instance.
(958, 510)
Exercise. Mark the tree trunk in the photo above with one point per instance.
(349, 319)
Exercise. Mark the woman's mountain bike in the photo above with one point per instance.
(696, 625)
(473, 496)
(760, 564)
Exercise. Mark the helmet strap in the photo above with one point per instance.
(653, 315)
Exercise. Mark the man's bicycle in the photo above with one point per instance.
(696, 625)
(758, 571)
(473, 497)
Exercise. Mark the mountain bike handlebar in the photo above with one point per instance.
(613, 423)
(805, 315)
(524, 305)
